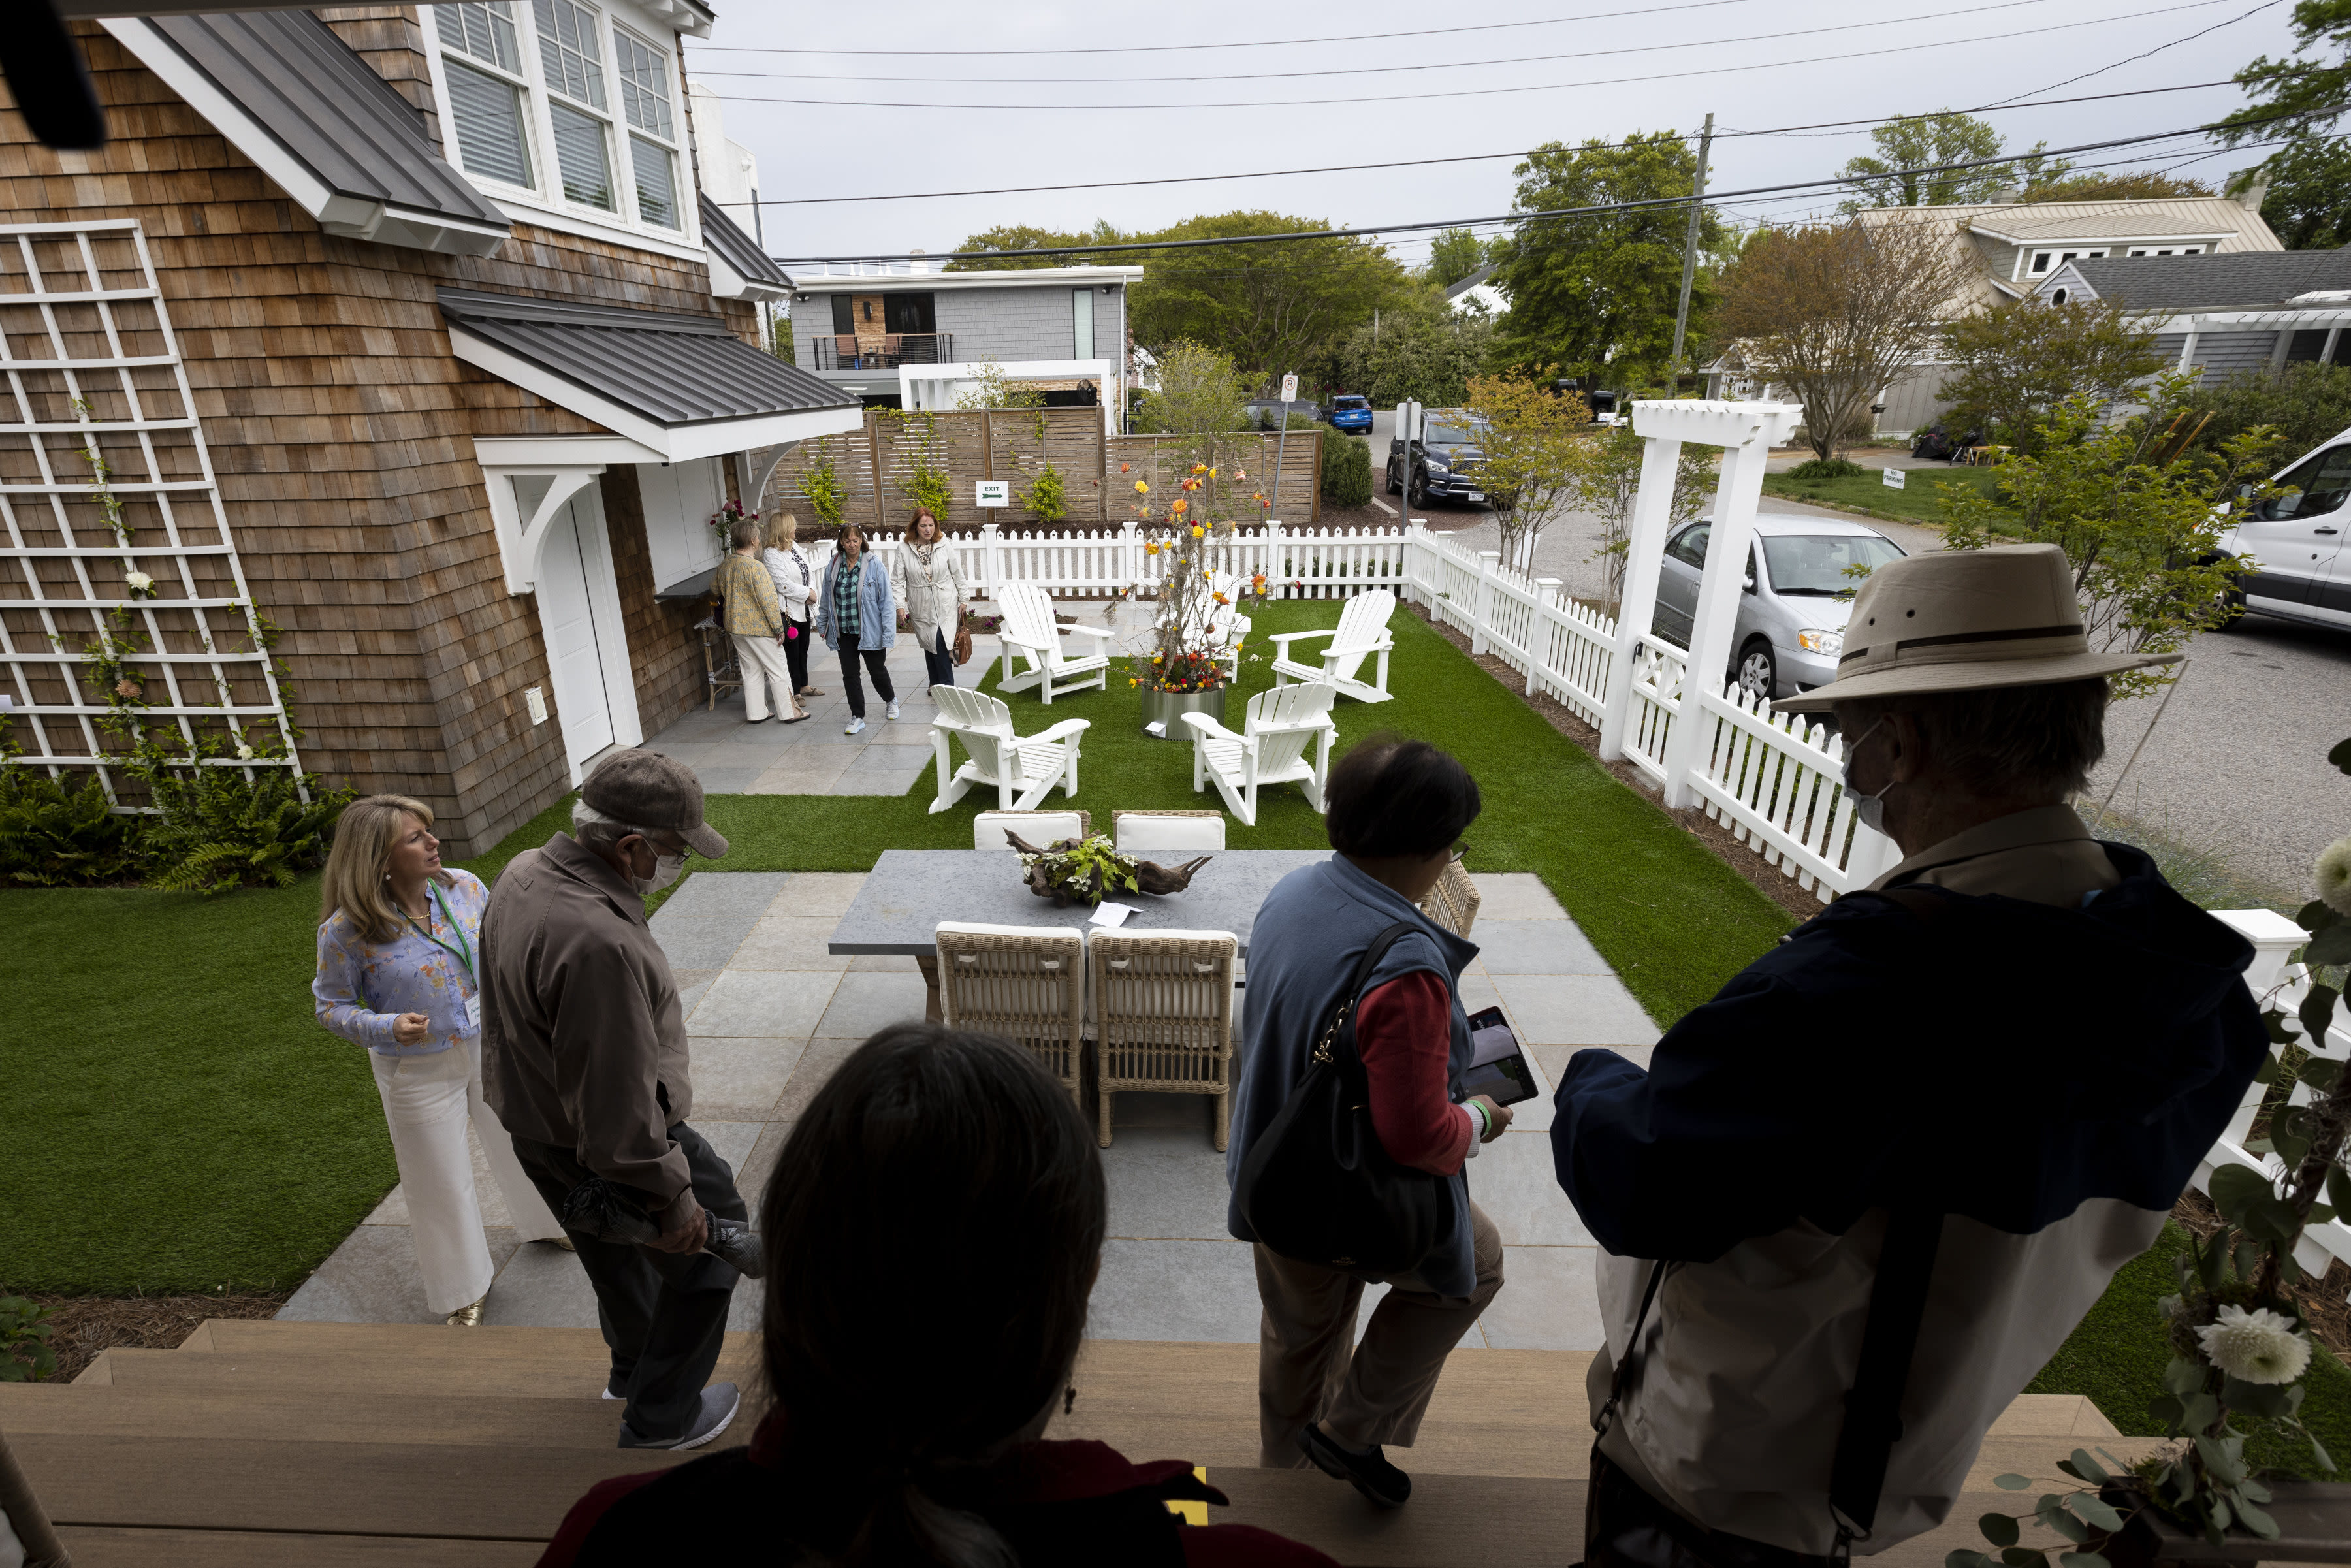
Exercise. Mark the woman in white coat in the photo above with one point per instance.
(796, 584)
(400, 941)
(931, 591)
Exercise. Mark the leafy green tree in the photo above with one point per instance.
(1006, 243)
(1273, 309)
(1454, 254)
(2015, 363)
(2119, 185)
(1930, 140)
(1199, 395)
(1427, 356)
(1599, 289)
(2309, 203)
(2139, 525)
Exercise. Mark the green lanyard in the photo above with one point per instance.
(463, 951)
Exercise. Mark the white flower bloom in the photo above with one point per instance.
(2258, 1346)
(139, 580)
(2333, 872)
(244, 754)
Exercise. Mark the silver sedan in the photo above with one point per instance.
(1797, 598)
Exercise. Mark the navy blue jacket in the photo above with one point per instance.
(2007, 1060)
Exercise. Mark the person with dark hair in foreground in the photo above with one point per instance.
(933, 1228)
(1855, 1201)
(1397, 812)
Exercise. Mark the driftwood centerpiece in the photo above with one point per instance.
(1087, 871)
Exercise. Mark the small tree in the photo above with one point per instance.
(991, 388)
(1198, 399)
(1832, 315)
(2139, 523)
(926, 482)
(1425, 357)
(2306, 404)
(820, 482)
(1608, 478)
(1346, 468)
(2015, 363)
(1532, 454)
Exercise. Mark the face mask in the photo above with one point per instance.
(1870, 809)
(667, 869)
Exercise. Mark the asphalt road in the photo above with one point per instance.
(2237, 767)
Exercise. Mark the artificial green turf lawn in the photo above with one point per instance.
(1917, 502)
(175, 1120)
(2118, 1356)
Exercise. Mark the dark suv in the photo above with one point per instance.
(1443, 463)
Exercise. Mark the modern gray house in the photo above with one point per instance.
(2227, 312)
(912, 340)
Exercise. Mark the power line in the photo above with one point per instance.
(1416, 66)
(1415, 162)
(1131, 106)
(1370, 230)
(2144, 54)
(1267, 44)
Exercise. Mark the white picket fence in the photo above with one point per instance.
(1298, 563)
(1772, 780)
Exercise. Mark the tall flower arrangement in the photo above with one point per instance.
(1178, 529)
(2240, 1348)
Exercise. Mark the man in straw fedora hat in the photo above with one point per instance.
(1858, 1199)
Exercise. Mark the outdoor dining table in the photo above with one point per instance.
(909, 892)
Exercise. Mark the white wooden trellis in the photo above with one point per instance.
(92, 366)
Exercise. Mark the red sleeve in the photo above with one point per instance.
(1246, 1546)
(573, 1535)
(1403, 1031)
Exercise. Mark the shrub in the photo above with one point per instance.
(51, 836)
(2306, 404)
(1346, 469)
(1047, 498)
(821, 485)
(219, 831)
(24, 1353)
(1826, 469)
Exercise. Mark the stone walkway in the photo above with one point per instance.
(771, 1014)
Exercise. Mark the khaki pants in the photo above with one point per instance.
(763, 665)
(1379, 1393)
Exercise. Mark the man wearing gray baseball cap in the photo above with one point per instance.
(584, 1055)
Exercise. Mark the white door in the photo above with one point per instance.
(587, 648)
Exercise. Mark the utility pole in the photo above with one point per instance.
(1689, 247)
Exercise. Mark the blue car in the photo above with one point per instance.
(1351, 413)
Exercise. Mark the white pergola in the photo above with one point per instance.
(1746, 432)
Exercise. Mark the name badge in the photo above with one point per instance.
(474, 1013)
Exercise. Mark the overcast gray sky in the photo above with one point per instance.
(825, 120)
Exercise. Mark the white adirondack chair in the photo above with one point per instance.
(1031, 636)
(1272, 749)
(1362, 631)
(1021, 771)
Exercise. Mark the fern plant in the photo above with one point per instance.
(53, 836)
(219, 831)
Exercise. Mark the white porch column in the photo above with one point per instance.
(1645, 549)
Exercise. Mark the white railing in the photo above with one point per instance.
(1773, 778)
(1298, 563)
(2276, 983)
(1659, 673)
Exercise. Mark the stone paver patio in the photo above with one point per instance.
(771, 1013)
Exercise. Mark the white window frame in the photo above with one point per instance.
(2166, 250)
(604, 117)
(545, 205)
(681, 170)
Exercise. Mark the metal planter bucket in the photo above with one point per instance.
(1164, 707)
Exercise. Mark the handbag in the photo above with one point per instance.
(1316, 1185)
(962, 637)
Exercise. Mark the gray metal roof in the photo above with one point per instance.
(2228, 281)
(321, 102)
(724, 236)
(673, 369)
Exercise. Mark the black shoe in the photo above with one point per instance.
(719, 1403)
(1370, 1474)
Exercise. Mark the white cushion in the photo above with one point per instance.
(1146, 832)
(1040, 828)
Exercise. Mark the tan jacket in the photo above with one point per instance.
(750, 594)
(930, 591)
(583, 1042)
(1745, 1360)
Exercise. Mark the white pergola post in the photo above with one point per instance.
(1644, 548)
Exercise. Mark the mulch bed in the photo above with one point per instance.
(1748, 863)
(88, 1325)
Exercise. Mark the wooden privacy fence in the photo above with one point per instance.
(1014, 446)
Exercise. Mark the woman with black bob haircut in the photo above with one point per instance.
(1397, 810)
(933, 1228)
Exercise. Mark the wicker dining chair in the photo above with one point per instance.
(1453, 902)
(1025, 984)
(1163, 1006)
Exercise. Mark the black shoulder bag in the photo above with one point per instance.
(1317, 1187)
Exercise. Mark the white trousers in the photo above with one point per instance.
(761, 660)
(427, 1100)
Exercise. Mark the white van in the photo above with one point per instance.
(2302, 571)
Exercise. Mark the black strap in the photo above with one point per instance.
(1632, 1351)
(1873, 1407)
(1342, 1017)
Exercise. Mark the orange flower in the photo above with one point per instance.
(1127, 468)
(1179, 507)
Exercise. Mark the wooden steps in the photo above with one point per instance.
(262, 1444)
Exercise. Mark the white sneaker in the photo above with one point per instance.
(892, 711)
(853, 727)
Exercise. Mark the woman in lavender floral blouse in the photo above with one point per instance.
(399, 949)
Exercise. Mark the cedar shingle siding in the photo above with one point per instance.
(342, 428)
